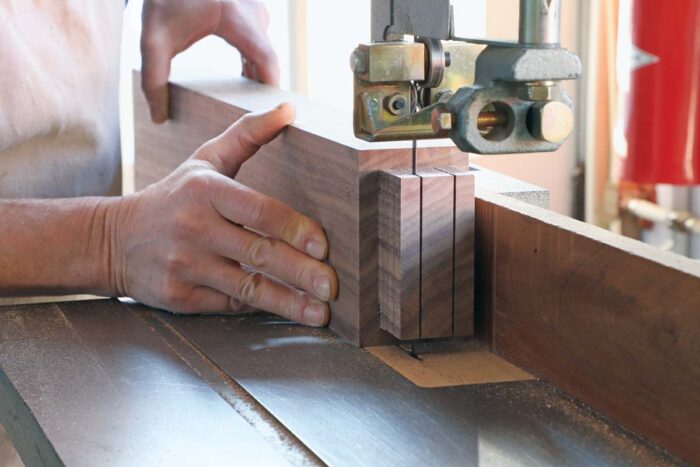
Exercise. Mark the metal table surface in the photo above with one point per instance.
(109, 383)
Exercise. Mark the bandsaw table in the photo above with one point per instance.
(109, 383)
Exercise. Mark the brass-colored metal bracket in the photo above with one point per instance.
(388, 77)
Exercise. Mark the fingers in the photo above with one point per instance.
(254, 289)
(155, 70)
(275, 258)
(244, 206)
(228, 151)
(263, 69)
(243, 25)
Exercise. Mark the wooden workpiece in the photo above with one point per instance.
(611, 321)
(426, 253)
(317, 166)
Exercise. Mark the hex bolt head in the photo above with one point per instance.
(536, 93)
(396, 104)
(441, 121)
(552, 122)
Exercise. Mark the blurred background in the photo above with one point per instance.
(632, 164)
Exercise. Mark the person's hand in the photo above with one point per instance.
(186, 244)
(171, 26)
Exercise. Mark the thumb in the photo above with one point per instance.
(228, 151)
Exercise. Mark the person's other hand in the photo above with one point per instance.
(171, 26)
(187, 243)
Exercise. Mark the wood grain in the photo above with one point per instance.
(463, 273)
(317, 166)
(612, 321)
(399, 253)
(437, 242)
(384, 253)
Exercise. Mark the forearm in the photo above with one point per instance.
(57, 246)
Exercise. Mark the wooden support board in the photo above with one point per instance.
(612, 321)
(317, 166)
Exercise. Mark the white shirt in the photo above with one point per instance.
(59, 108)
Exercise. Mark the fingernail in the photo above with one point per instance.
(315, 249)
(322, 287)
(315, 314)
(158, 116)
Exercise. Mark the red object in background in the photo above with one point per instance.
(663, 112)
